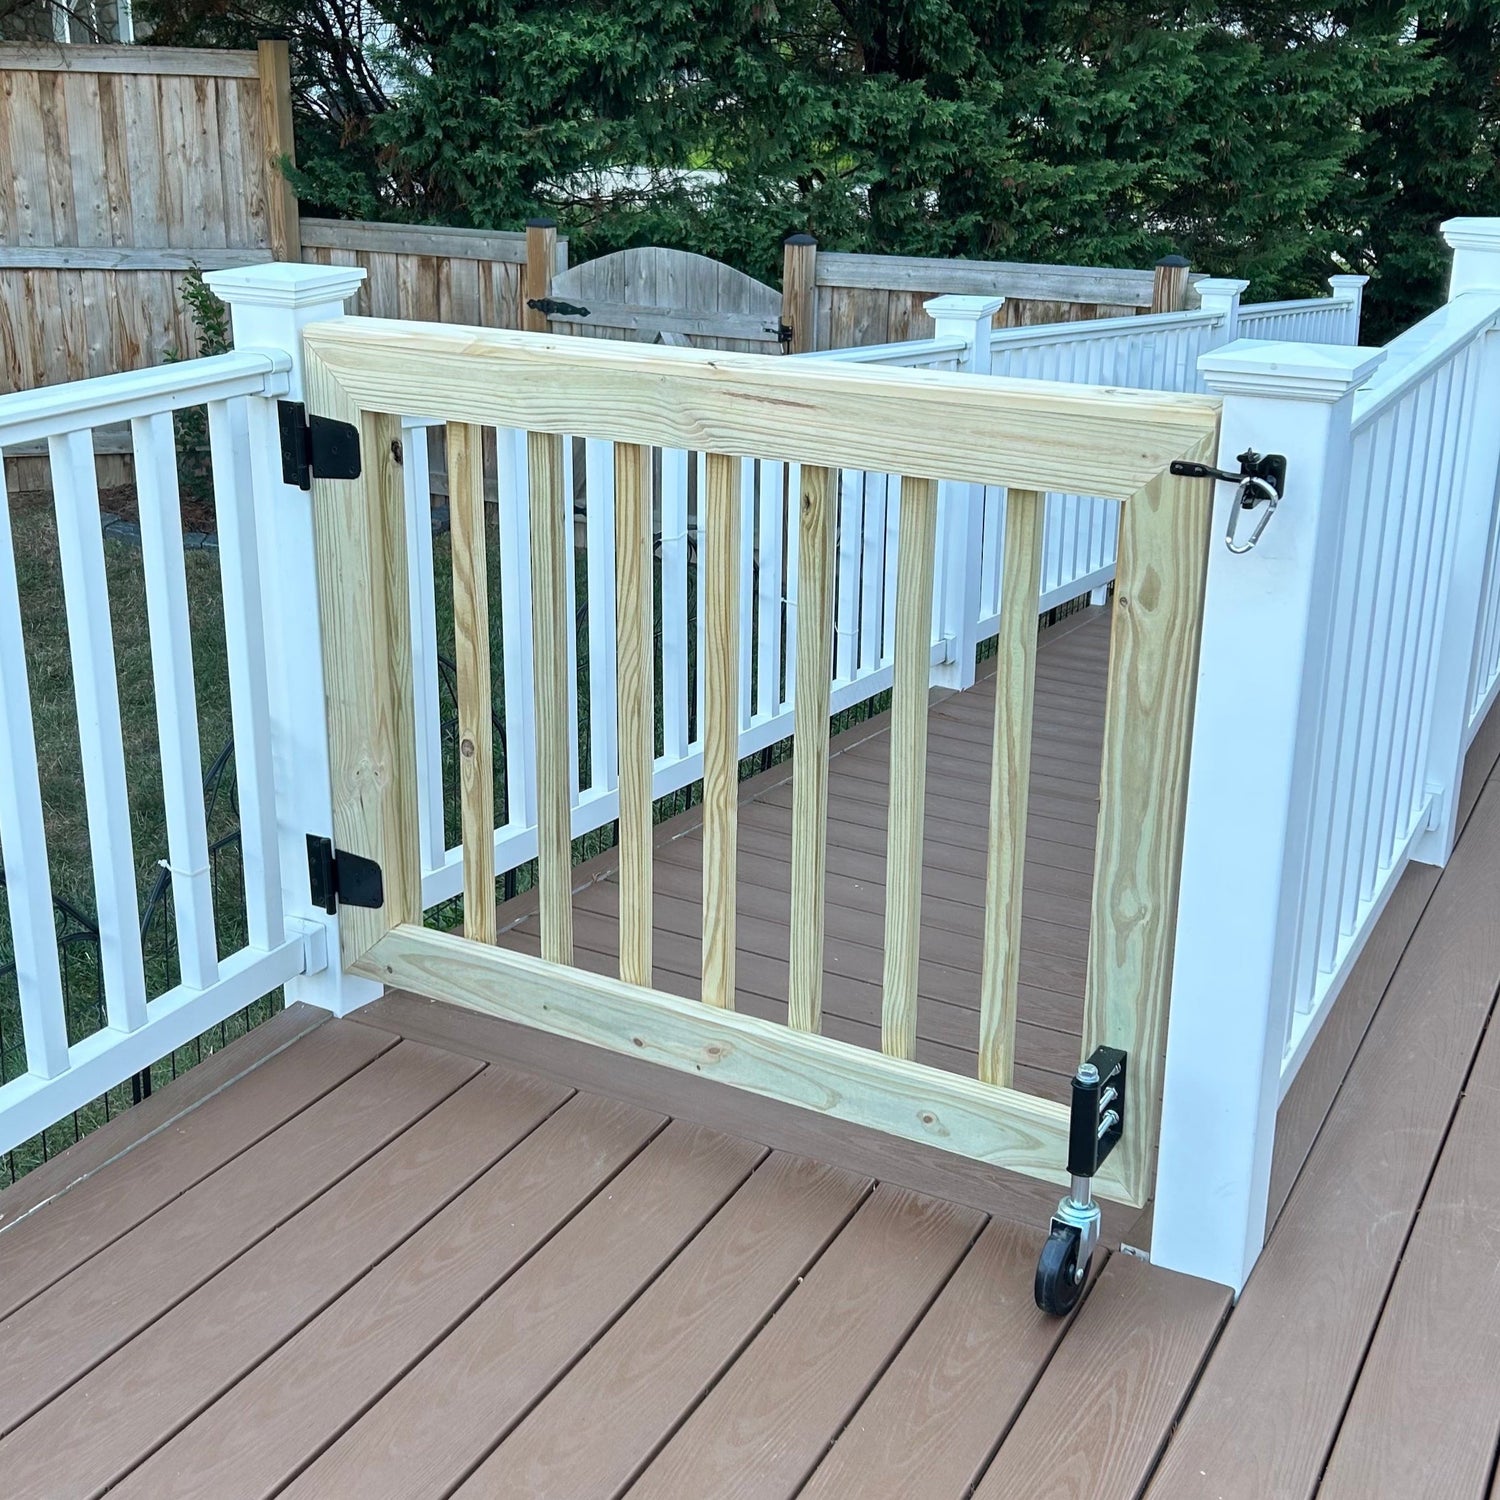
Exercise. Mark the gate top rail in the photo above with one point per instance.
(929, 424)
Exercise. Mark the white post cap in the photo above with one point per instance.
(1349, 285)
(951, 305)
(1294, 372)
(1476, 255)
(285, 283)
(1220, 286)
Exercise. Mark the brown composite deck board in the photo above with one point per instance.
(1313, 1090)
(44, 1247)
(126, 1407)
(130, 1128)
(446, 1415)
(274, 1421)
(1266, 1413)
(937, 1414)
(766, 1424)
(912, 1164)
(1424, 1421)
(82, 1319)
(595, 1431)
(1102, 1411)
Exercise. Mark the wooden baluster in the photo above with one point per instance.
(810, 746)
(471, 655)
(719, 579)
(916, 544)
(635, 712)
(1010, 783)
(551, 620)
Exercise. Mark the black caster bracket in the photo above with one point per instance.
(1097, 1123)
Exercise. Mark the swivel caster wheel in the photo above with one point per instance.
(1059, 1275)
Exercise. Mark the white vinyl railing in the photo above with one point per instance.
(1313, 320)
(1345, 662)
(71, 1059)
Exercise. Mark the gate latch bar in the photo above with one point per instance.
(1261, 481)
(556, 309)
(315, 447)
(335, 875)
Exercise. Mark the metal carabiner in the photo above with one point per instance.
(1253, 491)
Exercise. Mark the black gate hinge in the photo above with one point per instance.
(556, 309)
(335, 875)
(315, 447)
(1097, 1119)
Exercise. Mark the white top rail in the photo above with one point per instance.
(1092, 328)
(53, 410)
(907, 354)
(1413, 355)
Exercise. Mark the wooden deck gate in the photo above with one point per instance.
(929, 426)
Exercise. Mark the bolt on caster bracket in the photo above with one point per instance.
(1096, 1124)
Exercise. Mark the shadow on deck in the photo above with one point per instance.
(402, 1255)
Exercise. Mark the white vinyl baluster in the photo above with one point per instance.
(793, 565)
(674, 611)
(416, 481)
(872, 570)
(770, 586)
(892, 487)
(165, 570)
(100, 740)
(748, 477)
(570, 583)
(515, 627)
(23, 837)
(599, 486)
(846, 582)
(249, 686)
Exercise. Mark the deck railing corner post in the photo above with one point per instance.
(1475, 244)
(1349, 290)
(1262, 669)
(1220, 295)
(270, 305)
(961, 506)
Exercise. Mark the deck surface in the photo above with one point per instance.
(387, 1256)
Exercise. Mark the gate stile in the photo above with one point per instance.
(925, 425)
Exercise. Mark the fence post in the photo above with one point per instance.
(960, 506)
(1349, 290)
(271, 304)
(1476, 268)
(1261, 675)
(274, 63)
(1221, 295)
(1169, 286)
(541, 259)
(799, 291)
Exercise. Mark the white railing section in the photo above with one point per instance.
(1311, 320)
(145, 1018)
(1412, 428)
(1345, 660)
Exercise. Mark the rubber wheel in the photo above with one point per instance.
(1058, 1285)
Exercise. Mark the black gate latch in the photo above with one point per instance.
(1268, 469)
(335, 875)
(555, 309)
(315, 447)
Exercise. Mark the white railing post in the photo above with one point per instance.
(1349, 290)
(961, 506)
(1221, 295)
(1261, 675)
(270, 305)
(1476, 268)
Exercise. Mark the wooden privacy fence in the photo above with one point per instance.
(927, 426)
(120, 168)
(836, 301)
(481, 277)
